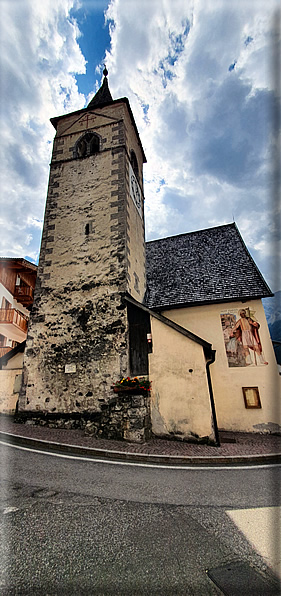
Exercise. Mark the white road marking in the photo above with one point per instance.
(142, 465)
(262, 528)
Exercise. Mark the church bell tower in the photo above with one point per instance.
(92, 254)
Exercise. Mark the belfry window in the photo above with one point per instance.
(134, 163)
(81, 148)
(87, 145)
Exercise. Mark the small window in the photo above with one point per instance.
(87, 229)
(251, 397)
(134, 163)
(87, 145)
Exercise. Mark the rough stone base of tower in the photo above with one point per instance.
(124, 417)
(74, 355)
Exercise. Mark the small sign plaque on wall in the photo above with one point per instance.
(251, 397)
(70, 368)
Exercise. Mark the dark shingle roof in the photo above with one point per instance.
(211, 265)
(102, 97)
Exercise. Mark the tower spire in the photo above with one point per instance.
(103, 95)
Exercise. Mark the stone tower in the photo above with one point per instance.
(92, 255)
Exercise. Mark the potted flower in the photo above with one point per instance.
(135, 385)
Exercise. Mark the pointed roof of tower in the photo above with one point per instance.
(103, 95)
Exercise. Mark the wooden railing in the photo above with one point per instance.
(10, 315)
(4, 350)
(24, 294)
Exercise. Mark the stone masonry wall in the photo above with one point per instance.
(124, 417)
(77, 340)
(135, 247)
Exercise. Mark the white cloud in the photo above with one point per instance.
(39, 56)
(209, 132)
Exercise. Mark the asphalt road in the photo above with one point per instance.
(79, 527)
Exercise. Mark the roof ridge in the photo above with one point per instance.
(19, 259)
(232, 224)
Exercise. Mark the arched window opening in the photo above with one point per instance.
(94, 144)
(81, 148)
(87, 145)
(88, 137)
(134, 163)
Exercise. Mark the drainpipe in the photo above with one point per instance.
(210, 360)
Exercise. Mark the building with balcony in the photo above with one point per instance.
(17, 282)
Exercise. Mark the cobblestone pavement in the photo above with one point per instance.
(232, 443)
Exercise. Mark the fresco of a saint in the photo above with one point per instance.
(241, 338)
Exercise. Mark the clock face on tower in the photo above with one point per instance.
(135, 191)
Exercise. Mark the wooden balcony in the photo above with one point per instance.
(4, 350)
(24, 295)
(11, 316)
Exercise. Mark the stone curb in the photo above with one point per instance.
(145, 458)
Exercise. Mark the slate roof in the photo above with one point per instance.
(202, 267)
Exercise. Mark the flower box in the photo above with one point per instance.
(131, 390)
(134, 386)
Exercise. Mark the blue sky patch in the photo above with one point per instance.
(94, 41)
(232, 66)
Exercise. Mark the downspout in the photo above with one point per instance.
(210, 360)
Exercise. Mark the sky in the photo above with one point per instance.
(203, 81)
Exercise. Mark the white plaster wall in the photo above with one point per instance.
(14, 363)
(228, 382)
(180, 402)
(8, 398)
